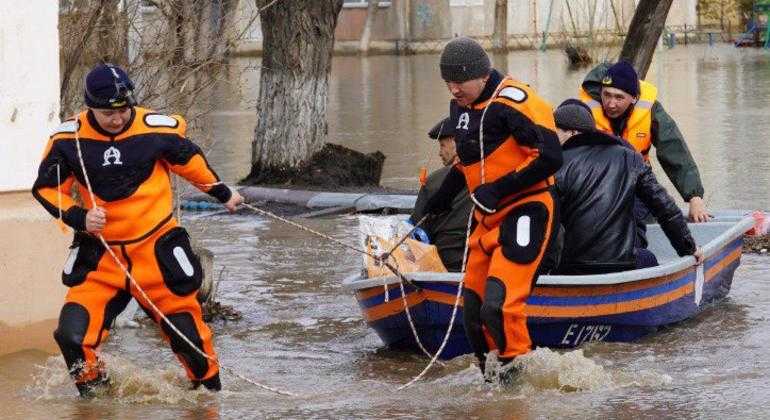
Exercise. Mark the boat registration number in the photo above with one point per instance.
(578, 334)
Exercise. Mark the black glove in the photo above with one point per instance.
(486, 197)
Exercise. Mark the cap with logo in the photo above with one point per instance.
(622, 76)
(107, 86)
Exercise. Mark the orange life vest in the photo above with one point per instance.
(638, 130)
(511, 155)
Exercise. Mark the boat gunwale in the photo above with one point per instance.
(739, 227)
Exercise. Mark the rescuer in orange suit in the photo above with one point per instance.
(511, 185)
(128, 153)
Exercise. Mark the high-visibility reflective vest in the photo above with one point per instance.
(638, 130)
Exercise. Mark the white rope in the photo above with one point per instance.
(307, 229)
(408, 312)
(465, 253)
(454, 310)
(395, 270)
(141, 291)
(481, 127)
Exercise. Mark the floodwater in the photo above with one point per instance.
(302, 333)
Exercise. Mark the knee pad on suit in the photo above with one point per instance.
(523, 231)
(492, 310)
(85, 253)
(69, 335)
(181, 268)
(472, 322)
(114, 307)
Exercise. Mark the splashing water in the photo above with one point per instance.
(127, 383)
(571, 371)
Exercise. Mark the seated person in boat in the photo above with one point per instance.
(446, 231)
(597, 185)
(628, 107)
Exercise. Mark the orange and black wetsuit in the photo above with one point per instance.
(129, 173)
(515, 208)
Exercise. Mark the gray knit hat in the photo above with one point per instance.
(463, 59)
(573, 114)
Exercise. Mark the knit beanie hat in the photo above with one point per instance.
(108, 86)
(442, 130)
(622, 76)
(573, 114)
(463, 59)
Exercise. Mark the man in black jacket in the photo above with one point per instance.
(448, 230)
(596, 186)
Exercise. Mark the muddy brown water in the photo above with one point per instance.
(301, 332)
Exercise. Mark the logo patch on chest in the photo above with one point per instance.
(112, 154)
(463, 121)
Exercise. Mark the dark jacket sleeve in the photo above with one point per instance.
(53, 189)
(673, 154)
(663, 207)
(441, 200)
(528, 134)
(434, 181)
(419, 206)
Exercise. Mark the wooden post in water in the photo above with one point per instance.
(500, 34)
(366, 34)
(644, 32)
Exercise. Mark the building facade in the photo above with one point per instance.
(428, 24)
(34, 249)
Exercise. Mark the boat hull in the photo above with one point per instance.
(558, 315)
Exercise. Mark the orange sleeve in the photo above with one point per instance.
(186, 159)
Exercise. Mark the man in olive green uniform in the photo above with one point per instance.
(448, 230)
(627, 107)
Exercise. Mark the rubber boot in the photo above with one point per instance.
(481, 357)
(491, 367)
(508, 373)
(212, 384)
(94, 387)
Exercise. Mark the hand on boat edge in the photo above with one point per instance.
(698, 212)
(698, 256)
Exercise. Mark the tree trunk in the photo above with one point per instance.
(97, 32)
(366, 34)
(198, 38)
(298, 38)
(500, 35)
(644, 32)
